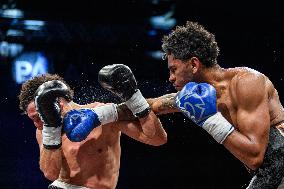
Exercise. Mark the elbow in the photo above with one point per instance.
(255, 162)
(161, 140)
(50, 174)
(51, 177)
(256, 157)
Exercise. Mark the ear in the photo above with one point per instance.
(62, 102)
(195, 64)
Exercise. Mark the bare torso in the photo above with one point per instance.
(272, 163)
(226, 94)
(94, 162)
(249, 101)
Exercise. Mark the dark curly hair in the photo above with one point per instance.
(191, 40)
(29, 88)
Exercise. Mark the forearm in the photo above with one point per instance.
(152, 127)
(164, 104)
(246, 149)
(51, 152)
(245, 145)
(50, 162)
(161, 105)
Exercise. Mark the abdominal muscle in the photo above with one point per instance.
(94, 162)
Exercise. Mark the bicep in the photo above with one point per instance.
(253, 110)
(254, 123)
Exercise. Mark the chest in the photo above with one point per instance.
(95, 156)
(98, 142)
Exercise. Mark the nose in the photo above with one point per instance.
(172, 78)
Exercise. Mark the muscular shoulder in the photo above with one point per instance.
(249, 87)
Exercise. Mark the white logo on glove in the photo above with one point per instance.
(184, 106)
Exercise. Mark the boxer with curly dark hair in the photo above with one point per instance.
(238, 107)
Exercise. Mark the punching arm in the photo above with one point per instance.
(120, 80)
(79, 123)
(198, 102)
(164, 104)
(160, 105)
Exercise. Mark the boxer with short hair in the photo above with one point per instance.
(80, 144)
(238, 107)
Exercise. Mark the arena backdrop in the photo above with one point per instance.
(77, 38)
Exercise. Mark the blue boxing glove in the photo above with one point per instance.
(78, 124)
(199, 103)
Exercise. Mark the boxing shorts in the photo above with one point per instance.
(62, 185)
(270, 175)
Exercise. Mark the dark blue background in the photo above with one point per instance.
(83, 36)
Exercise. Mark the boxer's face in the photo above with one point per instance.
(180, 72)
(33, 115)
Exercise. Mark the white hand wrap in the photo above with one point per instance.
(106, 113)
(137, 103)
(51, 136)
(218, 127)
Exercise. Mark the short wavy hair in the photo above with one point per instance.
(29, 88)
(191, 40)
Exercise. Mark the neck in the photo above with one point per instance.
(211, 75)
(215, 76)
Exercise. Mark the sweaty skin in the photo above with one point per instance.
(94, 162)
(245, 97)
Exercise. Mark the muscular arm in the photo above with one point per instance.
(161, 105)
(143, 129)
(50, 160)
(148, 130)
(249, 142)
(164, 104)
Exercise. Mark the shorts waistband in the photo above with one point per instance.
(62, 185)
(279, 123)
